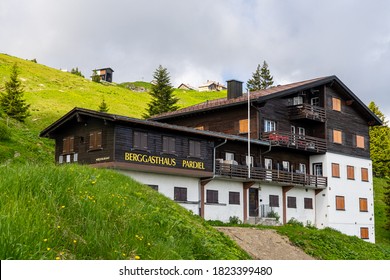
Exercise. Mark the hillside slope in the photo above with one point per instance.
(52, 93)
(78, 212)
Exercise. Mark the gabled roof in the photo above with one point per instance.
(271, 93)
(77, 112)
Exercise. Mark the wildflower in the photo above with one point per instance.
(45, 240)
(137, 257)
(74, 241)
(58, 226)
(123, 254)
(63, 206)
(48, 248)
(58, 258)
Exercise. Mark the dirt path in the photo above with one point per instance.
(264, 244)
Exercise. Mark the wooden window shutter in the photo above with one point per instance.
(340, 203)
(336, 104)
(364, 233)
(364, 174)
(165, 144)
(71, 144)
(144, 140)
(65, 145)
(360, 141)
(335, 170)
(363, 206)
(172, 145)
(92, 140)
(99, 139)
(350, 172)
(136, 140)
(337, 136)
(243, 126)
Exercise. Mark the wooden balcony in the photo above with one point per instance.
(270, 175)
(306, 111)
(295, 141)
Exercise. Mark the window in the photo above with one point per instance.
(234, 198)
(317, 169)
(350, 172)
(340, 203)
(297, 100)
(315, 101)
(268, 163)
(360, 141)
(364, 233)
(337, 136)
(291, 202)
(301, 131)
(273, 200)
(180, 194)
(243, 126)
(229, 156)
(140, 140)
(363, 206)
(364, 174)
(95, 140)
(269, 126)
(194, 148)
(302, 168)
(68, 145)
(286, 166)
(212, 196)
(200, 127)
(335, 170)
(154, 187)
(169, 145)
(336, 104)
(249, 161)
(308, 203)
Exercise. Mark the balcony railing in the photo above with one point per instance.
(306, 111)
(270, 175)
(295, 141)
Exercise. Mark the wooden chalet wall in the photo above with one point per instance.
(350, 122)
(224, 120)
(124, 144)
(80, 130)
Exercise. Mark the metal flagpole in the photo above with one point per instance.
(249, 136)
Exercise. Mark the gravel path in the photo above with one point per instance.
(264, 244)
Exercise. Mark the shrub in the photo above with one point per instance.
(5, 132)
(234, 220)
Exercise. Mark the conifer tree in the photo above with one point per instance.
(103, 107)
(261, 78)
(11, 101)
(380, 144)
(162, 94)
(95, 77)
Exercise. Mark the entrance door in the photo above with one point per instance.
(253, 202)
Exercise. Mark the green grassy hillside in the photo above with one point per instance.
(78, 212)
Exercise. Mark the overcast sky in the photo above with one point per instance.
(199, 40)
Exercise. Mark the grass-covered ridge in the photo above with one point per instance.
(78, 212)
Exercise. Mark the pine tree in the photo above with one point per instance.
(11, 101)
(103, 107)
(162, 94)
(267, 79)
(76, 71)
(380, 144)
(261, 78)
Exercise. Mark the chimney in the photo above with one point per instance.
(234, 89)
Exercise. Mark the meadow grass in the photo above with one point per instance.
(78, 212)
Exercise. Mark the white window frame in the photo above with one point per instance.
(269, 125)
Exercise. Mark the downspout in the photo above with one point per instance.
(205, 181)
